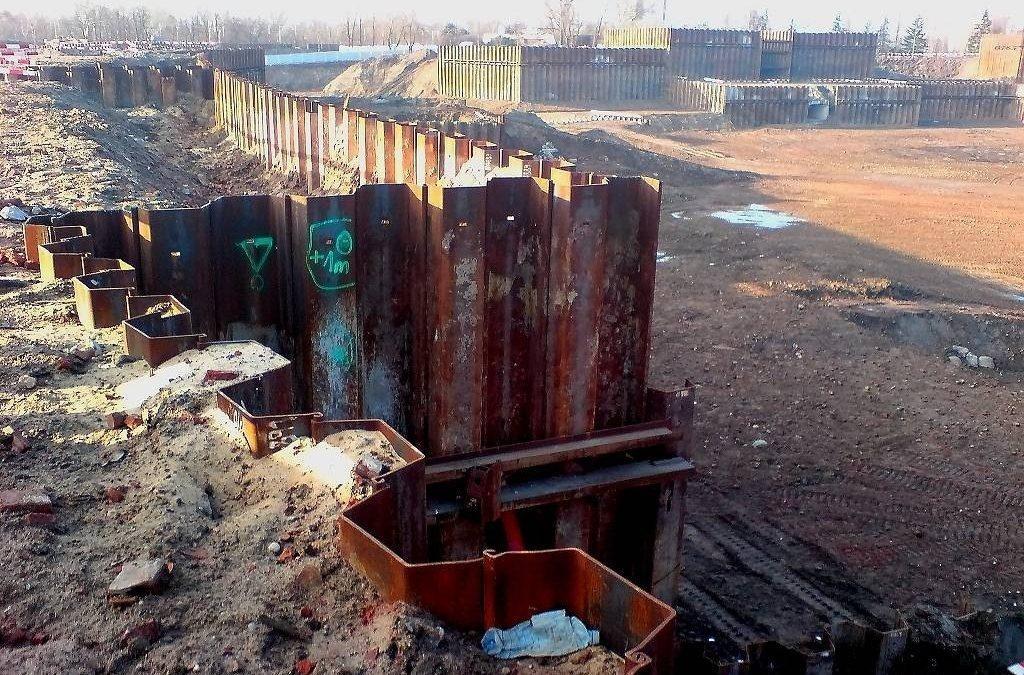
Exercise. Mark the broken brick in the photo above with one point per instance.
(37, 519)
(19, 443)
(220, 376)
(147, 631)
(25, 501)
(287, 554)
(114, 420)
(133, 421)
(304, 667)
(114, 494)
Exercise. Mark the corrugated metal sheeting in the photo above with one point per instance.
(547, 74)
(248, 61)
(722, 54)
(849, 103)
(752, 55)
(129, 86)
(748, 104)
(833, 55)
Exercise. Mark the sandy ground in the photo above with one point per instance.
(61, 148)
(845, 467)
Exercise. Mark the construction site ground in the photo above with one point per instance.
(845, 467)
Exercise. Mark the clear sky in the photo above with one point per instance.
(943, 17)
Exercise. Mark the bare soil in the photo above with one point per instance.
(182, 486)
(887, 476)
(62, 148)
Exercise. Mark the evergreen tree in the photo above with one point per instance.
(981, 28)
(837, 24)
(915, 40)
(884, 37)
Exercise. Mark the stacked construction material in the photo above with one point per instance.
(18, 61)
(550, 74)
(969, 101)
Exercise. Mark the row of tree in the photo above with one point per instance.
(912, 40)
(100, 23)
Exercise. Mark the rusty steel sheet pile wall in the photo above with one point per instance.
(313, 139)
(504, 327)
(776, 54)
(745, 104)
(721, 54)
(699, 53)
(132, 85)
(340, 283)
(250, 62)
(1002, 56)
(548, 74)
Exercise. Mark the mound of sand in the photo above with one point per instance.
(413, 75)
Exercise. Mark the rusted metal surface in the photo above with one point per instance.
(456, 224)
(113, 232)
(518, 241)
(327, 354)
(390, 238)
(102, 290)
(250, 245)
(175, 258)
(504, 589)
(62, 259)
(631, 243)
(428, 162)
(158, 328)
(579, 218)
(262, 408)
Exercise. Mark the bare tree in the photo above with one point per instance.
(564, 21)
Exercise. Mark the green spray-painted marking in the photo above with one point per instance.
(257, 252)
(328, 254)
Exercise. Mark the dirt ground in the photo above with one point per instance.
(244, 538)
(845, 467)
(61, 148)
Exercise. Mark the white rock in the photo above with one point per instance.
(26, 382)
(972, 360)
(959, 351)
(759, 443)
(986, 362)
(274, 548)
(956, 360)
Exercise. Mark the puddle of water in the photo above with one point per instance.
(758, 215)
(678, 215)
(662, 256)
